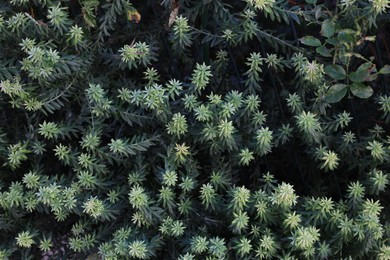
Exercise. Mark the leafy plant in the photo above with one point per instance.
(194, 129)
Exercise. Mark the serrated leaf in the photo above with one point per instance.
(361, 91)
(310, 41)
(327, 28)
(336, 93)
(335, 72)
(385, 70)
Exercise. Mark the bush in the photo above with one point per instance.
(194, 129)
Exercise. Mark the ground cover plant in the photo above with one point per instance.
(183, 129)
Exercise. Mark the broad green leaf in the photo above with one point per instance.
(311, 41)
(367, 66)
(323, 51)
(385, 70)
(332, 41)
(371, 77)
(365, 72)
(346, 35)
(360, 90)
(357, 76)
(336, 93)
(327, 28)
(335, 72)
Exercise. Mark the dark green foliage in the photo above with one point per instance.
(254, 129)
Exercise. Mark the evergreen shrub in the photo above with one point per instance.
(185, 129)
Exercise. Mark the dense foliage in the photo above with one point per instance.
(187, 129)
